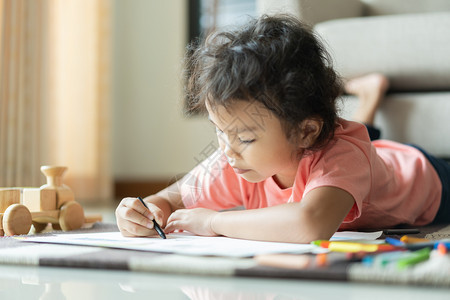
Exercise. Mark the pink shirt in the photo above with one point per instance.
(391, 183)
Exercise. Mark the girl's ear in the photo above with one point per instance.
(309, 131)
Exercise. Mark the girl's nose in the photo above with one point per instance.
(227, 148)
(230, 152)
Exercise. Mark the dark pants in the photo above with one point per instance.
(443, 170)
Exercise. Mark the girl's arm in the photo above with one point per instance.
(317, 216)
(133, 219)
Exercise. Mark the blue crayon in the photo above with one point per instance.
(394, 242)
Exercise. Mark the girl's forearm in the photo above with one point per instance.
(283, 223)
(317, 216)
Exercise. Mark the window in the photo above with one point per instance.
(206, 16)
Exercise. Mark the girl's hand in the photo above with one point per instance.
(134, 219)
(197, 221)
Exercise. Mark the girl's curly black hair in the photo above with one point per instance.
(275, 60)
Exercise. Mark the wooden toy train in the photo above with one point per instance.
(53, 203)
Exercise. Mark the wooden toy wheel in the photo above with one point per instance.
(71, 216)
(17, 220)
(39, 227)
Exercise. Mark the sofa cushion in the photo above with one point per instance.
(414, 118)
(390, 7)
(411, 49)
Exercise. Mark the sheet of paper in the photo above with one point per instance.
(355, 235)
(179, 243)
(187, 244)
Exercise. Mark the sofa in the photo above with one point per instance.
(408, 41)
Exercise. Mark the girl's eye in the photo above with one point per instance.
(242, 141)
(246, 141)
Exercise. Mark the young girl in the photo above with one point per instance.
(300, 172)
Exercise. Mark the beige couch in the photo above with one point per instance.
(407, 40)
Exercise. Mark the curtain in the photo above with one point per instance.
(55, 93)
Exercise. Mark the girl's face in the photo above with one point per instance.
(254, 143)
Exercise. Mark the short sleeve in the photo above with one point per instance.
(345, 166)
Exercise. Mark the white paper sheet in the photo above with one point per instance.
(355, 235)
(187, 244)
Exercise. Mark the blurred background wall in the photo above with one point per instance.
(152, 140)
